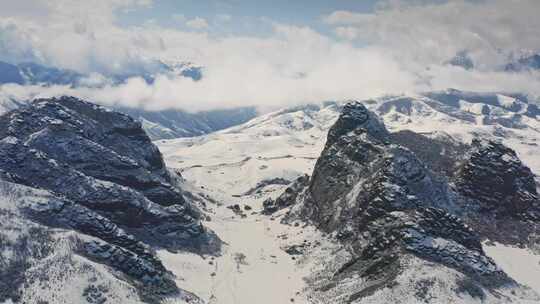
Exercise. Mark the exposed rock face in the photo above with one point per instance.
(362, 163)
(84, 133)
(288, 197)
(106, 179)
(387, 204)
(444, 155)
(496, 178)
(499, 193)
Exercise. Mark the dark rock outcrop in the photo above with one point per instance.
(495, 177)
(499, 193)
(264, 183)
(84, 133)
(386, 198)
(105, 179)
(288, 197)
(438, 152)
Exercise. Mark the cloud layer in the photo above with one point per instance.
(401, 48)
(490, 30)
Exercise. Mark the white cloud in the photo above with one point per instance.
(491, 30)
(79, 36)
(197, 23)
(347, 32)
(347, 17)
(293, 65)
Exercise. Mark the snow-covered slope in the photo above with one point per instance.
(254, 161)
(520, 263)
(85, 198)
(282, 144)
(244, 165)
(8, 103)
(464, 115)
(231, 173)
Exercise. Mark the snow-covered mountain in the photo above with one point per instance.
(527, 62)
(398, 211)
(253, 165)
(31, 73)
(513, 119)
(165, 124)
(85, 201)
(250, 183)
(171, 123)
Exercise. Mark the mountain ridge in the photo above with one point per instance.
(96, 172)
(383, 203)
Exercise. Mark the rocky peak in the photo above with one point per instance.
(105, 179)
(355, 117)
(390, 205)
(83, 133)
(498, 194)
(357, 138)
(359, 157)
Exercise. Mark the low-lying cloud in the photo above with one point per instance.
(491, 31)
(402, 49)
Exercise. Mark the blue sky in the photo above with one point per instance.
(247, 17)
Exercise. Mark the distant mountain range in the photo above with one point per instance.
(167, 124)
(520, 64)
(30, 73)
(531, 62)
(173, 123)
(164, 124)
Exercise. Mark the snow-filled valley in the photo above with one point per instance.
(246, 164)
(270, 152)
(228, 175)
(243, 166)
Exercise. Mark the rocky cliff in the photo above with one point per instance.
(103, 178)
(396, 200)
